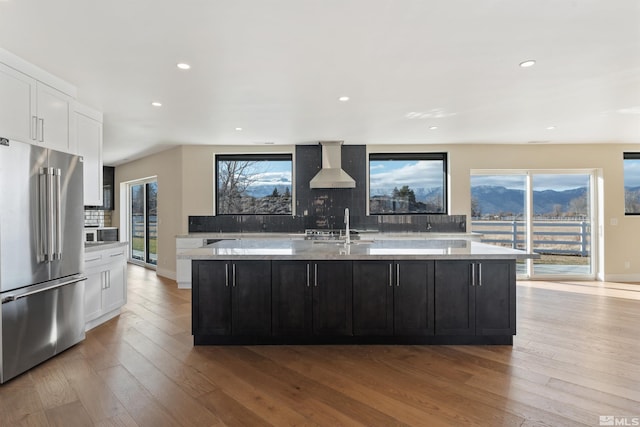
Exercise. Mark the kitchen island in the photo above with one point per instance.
(440, 291)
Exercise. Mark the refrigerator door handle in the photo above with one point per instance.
(10, 298)
(58, 208)
(51, 212)
(43, 232)
(47, 212)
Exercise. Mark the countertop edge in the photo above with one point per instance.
(104, 246)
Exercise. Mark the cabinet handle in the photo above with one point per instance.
(397, 274)
(390, 274)
(41, 123)
(233, 279)
(308, 275)
(34, 128)
(315, 275)
(226, 275)
(118, 254)
(473, 274)
(479, 274)
(108, 284)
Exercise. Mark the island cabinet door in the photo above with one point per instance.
(455, 298)
(251, 298)
(373, 297)
(291, 298)
(496, 298)
(211, 294)
(413, 298)
(332, 298)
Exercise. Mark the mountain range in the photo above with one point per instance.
(494, 200)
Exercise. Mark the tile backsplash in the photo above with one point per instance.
(324, 208)
(97, 218)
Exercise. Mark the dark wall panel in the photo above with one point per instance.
(324, 207)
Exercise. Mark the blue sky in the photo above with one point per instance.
(557, 182)
(271, 173)
(386, 174)
(632, 173)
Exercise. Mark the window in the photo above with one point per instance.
(632, 183)
(256, 184)
(408, 183)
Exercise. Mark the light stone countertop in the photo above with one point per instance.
(285, 249)
(100, 246)
(363, 234)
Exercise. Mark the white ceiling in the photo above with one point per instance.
(276, 68)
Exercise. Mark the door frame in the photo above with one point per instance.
(125, 192)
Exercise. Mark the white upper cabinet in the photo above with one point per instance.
(52, 116)
(18, 94)
(35, 105)
(86, 139)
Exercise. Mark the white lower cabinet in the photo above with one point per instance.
(106, 285)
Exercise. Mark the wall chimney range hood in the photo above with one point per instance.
(331, 175)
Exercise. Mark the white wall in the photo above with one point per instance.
(186, 174)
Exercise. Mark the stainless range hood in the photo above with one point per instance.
(331, 175)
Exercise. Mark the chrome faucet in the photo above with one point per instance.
(347, 231)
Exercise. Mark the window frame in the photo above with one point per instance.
(251, 157)
(628, 156)
(440, 156)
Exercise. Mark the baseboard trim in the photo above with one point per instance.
(622, 277)
(169, 274)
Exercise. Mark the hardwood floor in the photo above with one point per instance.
(576, 357)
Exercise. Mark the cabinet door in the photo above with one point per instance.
(53, 118)
(291, 300)
(496, 298)
(211, 296)
(88, 137)
(332, 298)
(414, 298)
(18, 93)
(251, 298)
(373, 297)
(454, 298)
(115, 291)
(93, 294)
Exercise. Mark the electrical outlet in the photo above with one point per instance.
(614, 221)
(627, 264)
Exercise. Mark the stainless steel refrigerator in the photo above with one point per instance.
(41, 255)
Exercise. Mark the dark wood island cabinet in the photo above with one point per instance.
(232, 298)
(393, 298)
(353, 296)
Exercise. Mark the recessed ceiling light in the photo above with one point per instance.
(343, 99)
(239, 129)
(551, 127)
(433, 127)
(528, 63)
(183, 66)
(156, 104)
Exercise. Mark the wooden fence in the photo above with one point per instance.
(549, 237)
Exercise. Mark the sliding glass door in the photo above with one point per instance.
(143, 221)
(561, 225)
(545, 212)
